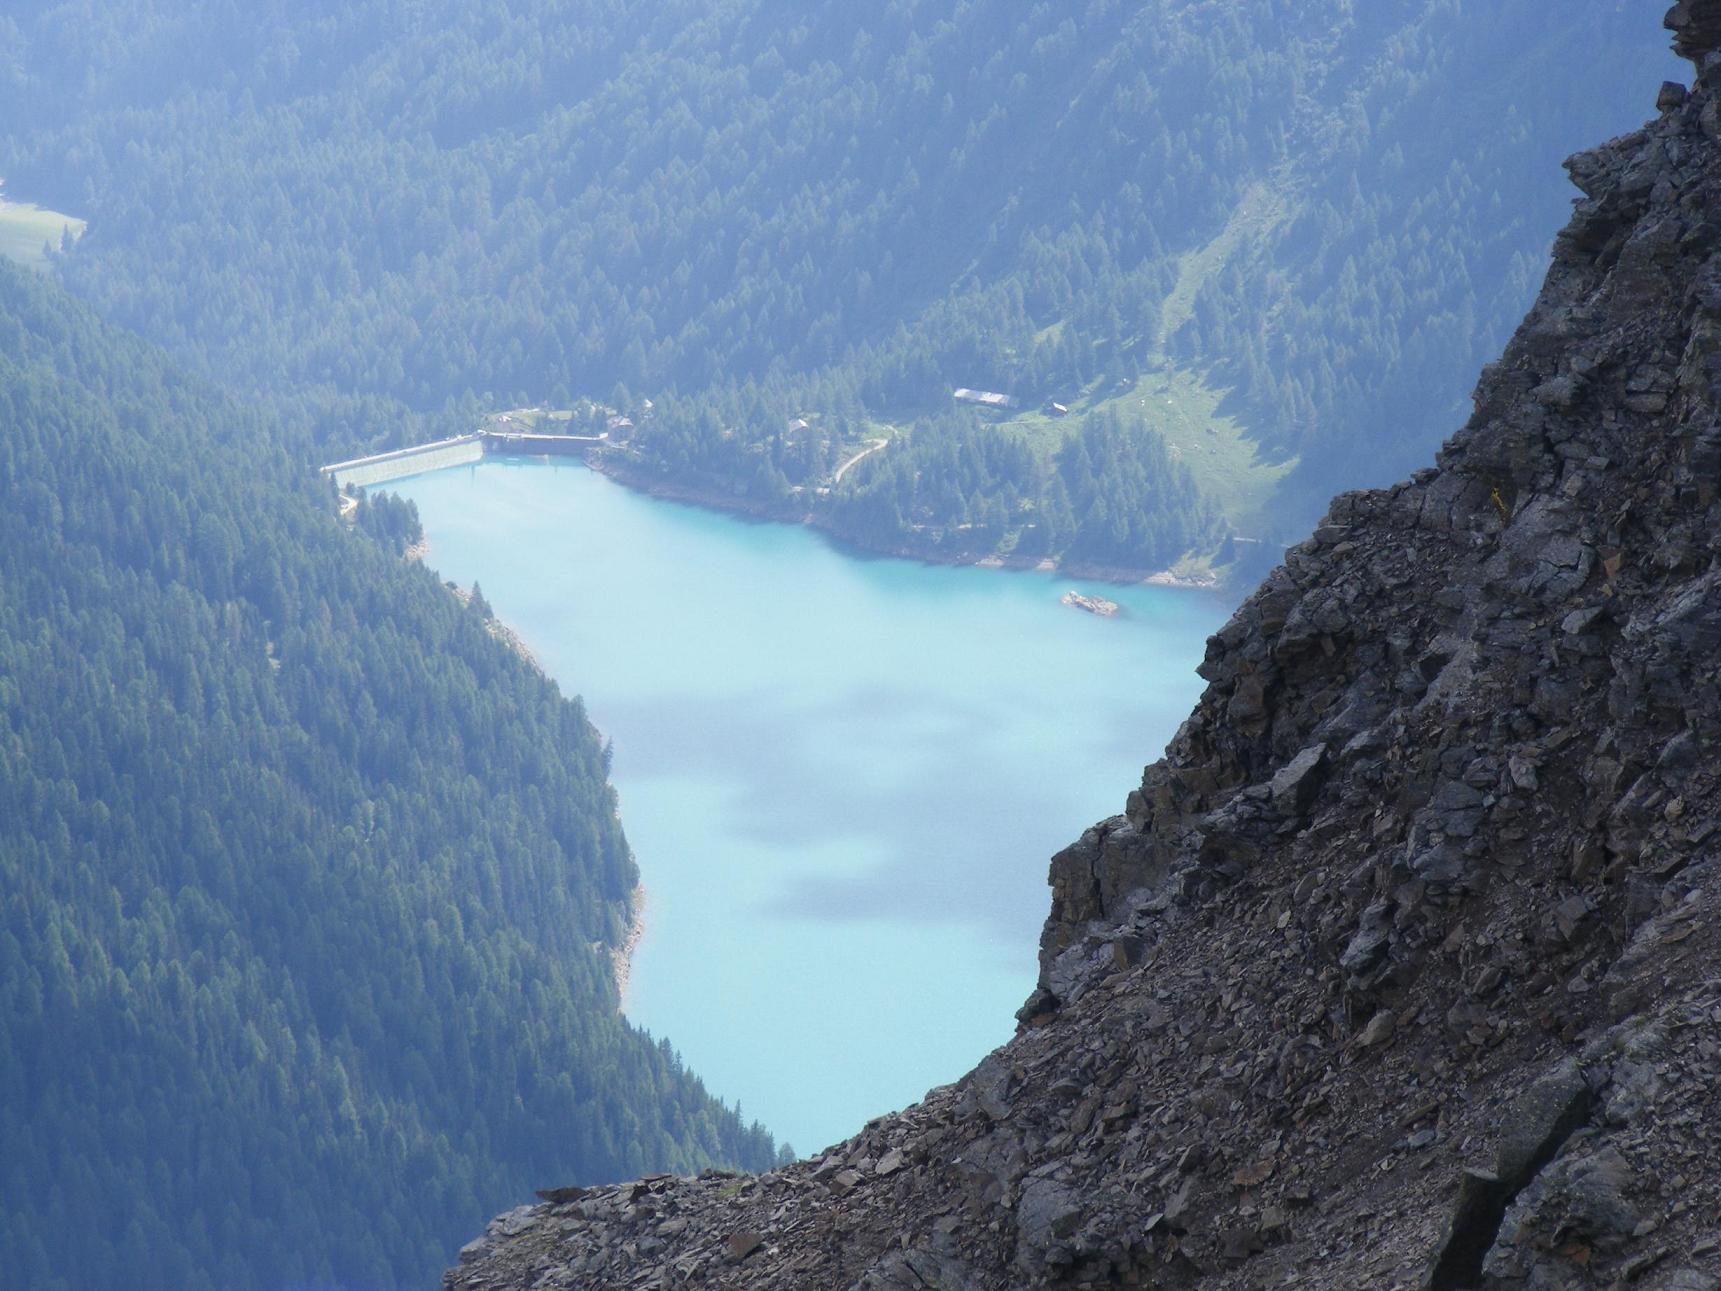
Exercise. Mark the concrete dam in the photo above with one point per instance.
(362, 472)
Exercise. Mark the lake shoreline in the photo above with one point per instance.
(790, 727)
(506, 633)
(621, 957)
(611, 465)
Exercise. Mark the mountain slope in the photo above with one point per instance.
(308, 885)
(1401, 968)
(1299, 227)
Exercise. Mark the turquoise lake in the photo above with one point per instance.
(843, 777)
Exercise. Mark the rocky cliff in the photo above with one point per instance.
(1403, 967)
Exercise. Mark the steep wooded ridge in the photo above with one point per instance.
(393, 216)
(308, 884)
(1403, 967)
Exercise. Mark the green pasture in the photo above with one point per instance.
(25, 229)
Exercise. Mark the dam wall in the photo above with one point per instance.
(521, 444)
(362, 472)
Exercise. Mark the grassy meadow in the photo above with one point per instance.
(25, 229)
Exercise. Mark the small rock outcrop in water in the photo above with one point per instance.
(1092, 604)
(1403, 967)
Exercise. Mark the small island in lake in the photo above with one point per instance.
(1092, 604)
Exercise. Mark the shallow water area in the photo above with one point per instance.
(842, 777)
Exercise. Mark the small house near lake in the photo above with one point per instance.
(984, 398)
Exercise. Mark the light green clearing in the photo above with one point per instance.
(24, 228)
(528, 418)
(1182, 409)
(1177, 403)
(1261, 210)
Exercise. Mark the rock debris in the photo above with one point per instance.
(1402, 968)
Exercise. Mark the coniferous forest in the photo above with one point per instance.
(759, 214)
(308, 884)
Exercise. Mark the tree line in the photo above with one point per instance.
(392, 217)
(308, 885)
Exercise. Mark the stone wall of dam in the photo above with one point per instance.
(363, 472)
(528, 445)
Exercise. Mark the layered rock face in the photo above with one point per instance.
(1403, 968)
(1696, 28)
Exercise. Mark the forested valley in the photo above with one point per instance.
(308, 884)
(1273, 235)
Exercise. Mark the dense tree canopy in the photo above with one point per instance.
(391, 216)
(308, 885)
(1111, 497)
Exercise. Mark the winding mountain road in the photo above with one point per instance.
(873, 445)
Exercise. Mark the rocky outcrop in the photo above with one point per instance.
(1403, 967)
(1696, 28)
(1092, 604)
